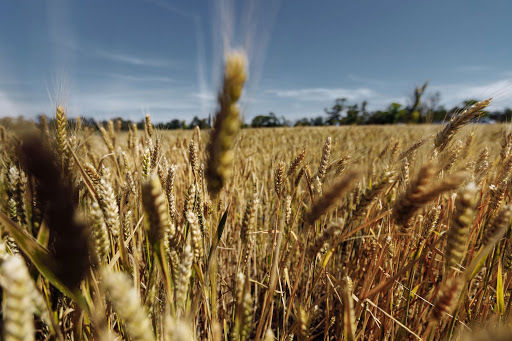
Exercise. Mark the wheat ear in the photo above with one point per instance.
(227, 123)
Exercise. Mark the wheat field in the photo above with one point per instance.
(353, 233)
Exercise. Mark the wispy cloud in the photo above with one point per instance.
(171, 8)
(322, 97)
(473, 68)
(132, 59)
(309, 102)
(15, 103)
(205, 96)
(323, 94)
(372, 81)
(139, 78)
(124, 57)
(109, 99)
(455, 93)
(131, 101)
(7, 105)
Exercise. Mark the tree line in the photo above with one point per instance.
(421, 109)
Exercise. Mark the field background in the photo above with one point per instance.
(307, 238)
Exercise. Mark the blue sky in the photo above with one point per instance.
(128, 57)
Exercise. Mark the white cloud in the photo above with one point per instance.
(205, 96)
(16, 104)
(130, 101)
(138, 78)
(114, 56)
(454, 94)
(323, 94)
(132, 59)
(131, 98)
(310, 102)
(7, 107)
(324, 97)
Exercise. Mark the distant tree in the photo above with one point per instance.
(176, 124)
(334, 114)
(259, 121)
(501, 116)
(341, 112)
(439, 115)
(317, 121)
(201, 123)
(506, 115)
(284, 122)
(413, 112)
(431, 106)
(398, 113)
(125, 124)
(380, 117)
(269, 120)
(363, 112)
(303, 122)
(352, 115)
(393, 114)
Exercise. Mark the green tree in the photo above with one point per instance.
(269, 120)
(303, 122)
(334, 114)
(201, 123)
(352, 115)
(398, 113)
(317, 121)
